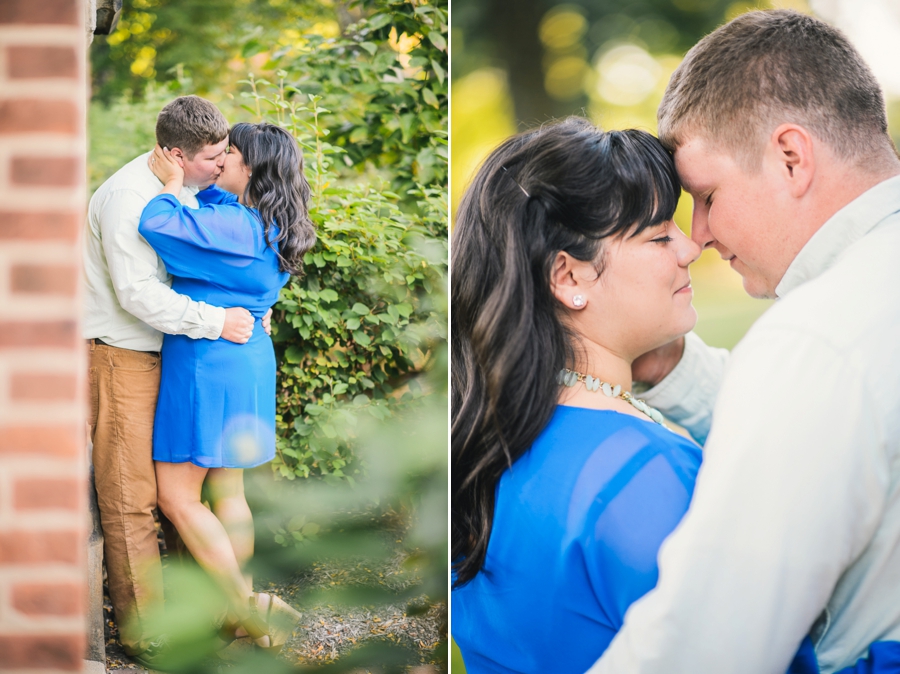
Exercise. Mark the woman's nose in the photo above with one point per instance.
(688, 249)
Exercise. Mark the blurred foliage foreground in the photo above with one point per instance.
(369, 553)
(360, 474)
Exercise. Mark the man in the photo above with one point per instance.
(780, 136)
(128, 305)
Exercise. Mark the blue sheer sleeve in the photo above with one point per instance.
(631, 517)
(197, 243)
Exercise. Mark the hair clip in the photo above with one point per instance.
(516, 182)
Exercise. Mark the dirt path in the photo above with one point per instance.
(328, 630)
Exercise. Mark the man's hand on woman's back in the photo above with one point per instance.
(238, 325)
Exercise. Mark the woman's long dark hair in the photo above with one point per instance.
(277, 189)
(563, 187)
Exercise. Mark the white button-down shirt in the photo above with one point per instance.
(128, 299)
(796, 515)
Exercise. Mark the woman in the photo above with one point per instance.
(216, 409)
(566, 267)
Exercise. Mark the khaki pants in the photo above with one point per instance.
(124, 388)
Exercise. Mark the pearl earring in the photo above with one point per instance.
(578, 301)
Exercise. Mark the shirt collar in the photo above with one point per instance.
(840, 231)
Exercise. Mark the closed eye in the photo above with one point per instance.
(662, 239)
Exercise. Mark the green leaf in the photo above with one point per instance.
(362, 338)
(438, 70)
(294, 354)
(379, 21)
(437, 40)
(251, 47)
(370, 47)
(360, 309)
(430, 98)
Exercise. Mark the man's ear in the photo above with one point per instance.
(178, 154)
(564, 280)
(795, 157)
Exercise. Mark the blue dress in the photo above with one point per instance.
(216, 404)
(578, 523)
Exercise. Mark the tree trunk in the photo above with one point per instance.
(515, 25)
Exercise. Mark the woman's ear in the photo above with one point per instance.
(564, 281)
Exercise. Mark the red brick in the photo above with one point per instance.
(44, 651)
(36, 547)
(54, 440)
(37, 333)
(45, 279)
(48, 493)
(47, 171)
(28, 62)
(39, 226)
(33, 386)
(25, 116)
(38, 599)
(53, 12)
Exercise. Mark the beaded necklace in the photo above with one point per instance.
(567, 377)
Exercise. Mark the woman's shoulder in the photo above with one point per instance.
(215, 195)
(591, 452)
(604, 431)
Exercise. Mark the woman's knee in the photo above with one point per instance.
(177, 488)
(224, 484)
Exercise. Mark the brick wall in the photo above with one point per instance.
(42, 358)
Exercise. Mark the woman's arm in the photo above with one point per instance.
(167, 169)
(201, 243)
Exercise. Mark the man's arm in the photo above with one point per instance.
(132, 267)
(789, 494)
(686, 376)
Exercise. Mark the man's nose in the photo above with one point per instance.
(700, 233)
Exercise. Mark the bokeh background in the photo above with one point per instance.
(518, 63)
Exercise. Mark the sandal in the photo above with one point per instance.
(278, 624)
(282, 619)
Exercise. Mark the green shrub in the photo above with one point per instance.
(355, 331)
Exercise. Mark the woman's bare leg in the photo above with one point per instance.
(225, 489)
(178, 494)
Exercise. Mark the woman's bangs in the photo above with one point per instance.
(650, 184)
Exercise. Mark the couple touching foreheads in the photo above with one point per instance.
(570, 281)
(186, 250)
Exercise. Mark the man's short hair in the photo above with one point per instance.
(766, 68)
(190, 123)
